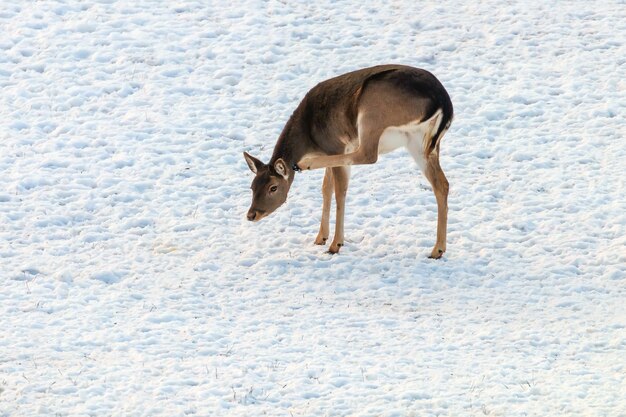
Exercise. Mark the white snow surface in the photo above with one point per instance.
(132, 285)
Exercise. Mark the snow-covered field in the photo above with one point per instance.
(132, 285)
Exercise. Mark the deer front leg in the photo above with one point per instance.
(341, 177)
(327, 194)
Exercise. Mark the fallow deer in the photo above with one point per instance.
(350, 120)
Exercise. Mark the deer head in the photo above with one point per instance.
(269, 187)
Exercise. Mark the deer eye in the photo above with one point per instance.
(273, 188)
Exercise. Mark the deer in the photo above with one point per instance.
(350, 120)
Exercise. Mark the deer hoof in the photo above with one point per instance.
(334, 248)
(303, 165)
(320, 240)
(436, 253)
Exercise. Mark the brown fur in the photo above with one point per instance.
(339, 123)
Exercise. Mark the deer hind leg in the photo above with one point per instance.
(327, 194)
(366, 153)
(341, 177)
(440, 185)
(429, 165)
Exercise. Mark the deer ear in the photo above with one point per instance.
(253, 163)
(281, 168)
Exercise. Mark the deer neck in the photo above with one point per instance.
(293, 143)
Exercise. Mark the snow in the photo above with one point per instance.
(132, 285)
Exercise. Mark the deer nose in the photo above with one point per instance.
(251, 215)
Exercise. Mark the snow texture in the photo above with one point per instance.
(132, 285)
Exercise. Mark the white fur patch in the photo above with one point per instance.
(414, 136)
(394, 138)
